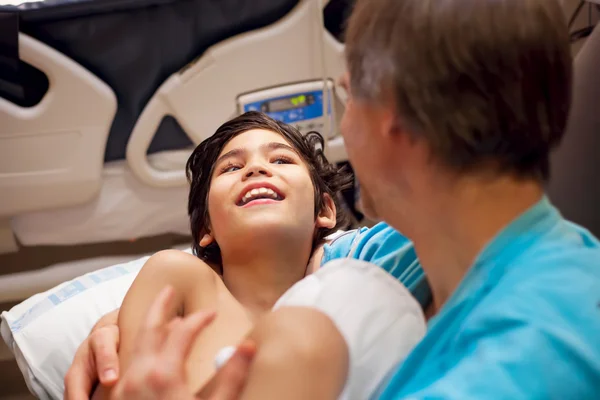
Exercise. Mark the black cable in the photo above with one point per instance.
(576, 13)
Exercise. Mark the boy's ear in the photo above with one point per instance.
(327, 215)
(206, 240)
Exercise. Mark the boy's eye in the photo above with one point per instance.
(282, 160)
(230, 168)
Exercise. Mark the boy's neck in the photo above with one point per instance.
(258, 279)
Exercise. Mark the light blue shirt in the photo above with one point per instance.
(385, 247)
(523, 324)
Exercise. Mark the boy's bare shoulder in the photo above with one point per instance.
(176, 263)
(175, 256)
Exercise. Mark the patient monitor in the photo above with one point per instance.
(308, 106)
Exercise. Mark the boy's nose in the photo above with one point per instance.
(257, 170)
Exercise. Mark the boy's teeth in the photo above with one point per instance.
(259, 191)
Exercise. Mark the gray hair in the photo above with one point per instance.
(484, 82)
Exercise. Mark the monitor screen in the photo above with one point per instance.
(288, 103)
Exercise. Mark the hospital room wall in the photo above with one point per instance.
(12, 386)
(589, 15)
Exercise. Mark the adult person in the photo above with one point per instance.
(454, 107)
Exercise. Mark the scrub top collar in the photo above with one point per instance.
(496, 258)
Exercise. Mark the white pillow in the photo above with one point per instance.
(44, 331)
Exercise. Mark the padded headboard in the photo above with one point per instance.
(135, 45)
(574, 185)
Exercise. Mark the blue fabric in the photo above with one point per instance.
(523, 324)
(387, 248)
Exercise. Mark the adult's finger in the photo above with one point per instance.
(81, 376)
(183, 336)
(151, 335)
(157, 313)
(104, 344)
(231, 379)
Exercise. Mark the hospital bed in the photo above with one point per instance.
(93, 147)
(111, 96)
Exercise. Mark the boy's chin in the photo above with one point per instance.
(272, 229)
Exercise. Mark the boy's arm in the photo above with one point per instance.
(117, 331)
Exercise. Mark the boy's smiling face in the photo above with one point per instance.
(261, 187)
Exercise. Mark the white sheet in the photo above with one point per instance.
(125, 209)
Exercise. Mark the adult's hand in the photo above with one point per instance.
(96, 360)
(158, 366)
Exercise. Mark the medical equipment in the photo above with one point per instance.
(309, 106)
(301, 104)
(101, 156)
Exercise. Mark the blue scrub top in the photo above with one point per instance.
(523, 324)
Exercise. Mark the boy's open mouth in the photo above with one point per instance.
(259, 193)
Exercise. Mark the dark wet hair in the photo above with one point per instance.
(326, 177)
